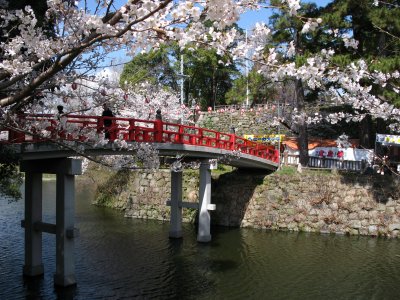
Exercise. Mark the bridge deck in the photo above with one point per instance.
(190, 152)
(169, 139)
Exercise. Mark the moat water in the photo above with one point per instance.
(120, 258)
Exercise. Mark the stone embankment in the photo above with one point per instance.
(313, 201)
(244, 123)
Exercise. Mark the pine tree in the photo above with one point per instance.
(288, 28)
(377, 30)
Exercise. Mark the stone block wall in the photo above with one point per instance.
(246, 123)
(144, 194)
(313, 201)
(342, 204)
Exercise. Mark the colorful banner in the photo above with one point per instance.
(387, 139)
(271, 138)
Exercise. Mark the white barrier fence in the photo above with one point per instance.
(327, 163)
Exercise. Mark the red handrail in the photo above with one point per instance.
(77, 128)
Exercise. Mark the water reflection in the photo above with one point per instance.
(119, 258)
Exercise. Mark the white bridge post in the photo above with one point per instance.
(203, 234)
(65, 214)
(33, 214)
(65, 169)
(176, 205)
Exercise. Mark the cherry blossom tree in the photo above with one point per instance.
(40, 67)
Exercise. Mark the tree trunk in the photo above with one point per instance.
(381, 126)
(366, 132)
(302, 138)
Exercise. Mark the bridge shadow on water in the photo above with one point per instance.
(196, 269)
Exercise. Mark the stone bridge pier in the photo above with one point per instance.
(65, 170)
(204, 205)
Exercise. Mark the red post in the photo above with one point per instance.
(277, 157)
(132, 130)
(200, 140)
(218, 143)
(100, 124)
(17, 136)
(145, 136)
(113, 129)
(158, 133)
(178, 135)
(193, 137)
(232, 141)
(81, 137)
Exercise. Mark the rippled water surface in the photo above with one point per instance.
(119, 258)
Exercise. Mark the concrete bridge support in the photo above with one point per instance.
(33, 215)
(65, 170)
(176, 205)
(204, 234)
(204, 205)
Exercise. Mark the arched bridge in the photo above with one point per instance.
(168, 138)
(41, 153)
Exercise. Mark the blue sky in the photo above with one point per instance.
(248, 19)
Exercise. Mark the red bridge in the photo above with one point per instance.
(168, 138)
(45, 150)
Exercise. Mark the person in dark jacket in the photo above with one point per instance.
(107, 122)
(158, 114)
(60, 112)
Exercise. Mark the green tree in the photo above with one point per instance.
(155, 67)
(259, 87)
(288, 28)
(10, 178)
(377, 31)
(208, 78)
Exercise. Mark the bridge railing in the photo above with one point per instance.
(83, 128)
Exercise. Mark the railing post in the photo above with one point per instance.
(158, 127)
(132, 130)
(100, 124)
(218, 140)
(113, 129)
(193, 138)
(178, 135)
(200, 140)
(232, 141)
(17, 136)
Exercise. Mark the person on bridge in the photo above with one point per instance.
(62, 121)
(60, 113)
(107, 122)
(158, 126)
(158, 114)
